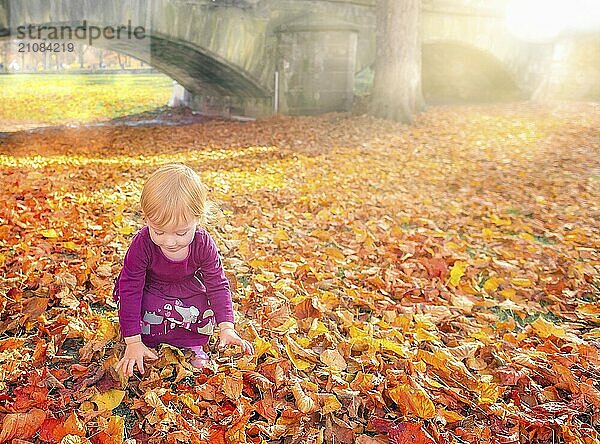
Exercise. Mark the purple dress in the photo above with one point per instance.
(175, 302)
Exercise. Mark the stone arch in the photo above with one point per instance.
(198, 70)
(453, 71)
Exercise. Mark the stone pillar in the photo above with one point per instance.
(180, 96)
(316, 62)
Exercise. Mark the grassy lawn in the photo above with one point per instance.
(49, 99)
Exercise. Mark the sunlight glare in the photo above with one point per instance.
(544, 20)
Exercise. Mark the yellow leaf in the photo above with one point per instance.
(261, 347)
(492, 284)
(329, 299)
(289, 325)
(299, 363)
(258, 264)
(357, 333)
(508, 293)
(487, 233)
(593, 333)
(104, 332)
(527, 236)
(266, 276)
(87, 406)
(303, 342)
(546, 328)
(108, 400)
(126, 230)
(49, 233)
(489, 393)
(482, 336)
(334, 253)
(189, 402)
(70, 245)
(321, 234)
(458, 271)
(496, 220)
(452, 246)
(521, 282)
(317, 328)
(288, 267)
(280, 235)
(589, 310)
(394, 347)
(424, 335)
(396, 231)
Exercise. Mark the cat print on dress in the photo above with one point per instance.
(174, 315)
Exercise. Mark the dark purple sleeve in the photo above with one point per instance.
(131, 285)
(215, 281)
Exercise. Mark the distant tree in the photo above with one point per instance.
(81, 54)
(397, 93)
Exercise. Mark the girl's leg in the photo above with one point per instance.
(201, 359)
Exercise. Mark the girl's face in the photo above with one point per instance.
(172, 239)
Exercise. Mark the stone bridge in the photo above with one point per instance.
(294, 56)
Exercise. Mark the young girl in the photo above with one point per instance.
(172, 286)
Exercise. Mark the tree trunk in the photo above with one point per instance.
(80, 51)
(397, 91)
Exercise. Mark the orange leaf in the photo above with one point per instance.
(409, 433)
(413, 401)
(21, 425)
(435, 266)
(74, 426)
(11, 343)
(333, 359)
(232, 387)
(304, 402)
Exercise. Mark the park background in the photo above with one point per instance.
(430, 277)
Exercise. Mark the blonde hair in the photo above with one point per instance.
(175, 195)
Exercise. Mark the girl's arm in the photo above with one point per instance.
(131, 285)
(219, 295)
(130, 289)
(215, 281)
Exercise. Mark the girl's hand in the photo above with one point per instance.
(134, 354)
(228, 336)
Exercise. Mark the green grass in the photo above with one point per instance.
(49, 99)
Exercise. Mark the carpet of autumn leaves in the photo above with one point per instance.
(429, 284)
